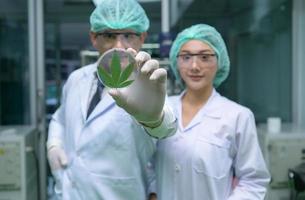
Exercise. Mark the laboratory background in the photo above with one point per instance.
(43, 41)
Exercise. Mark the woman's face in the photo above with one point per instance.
(197, 63)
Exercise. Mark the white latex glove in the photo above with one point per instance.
(144, 98)
(58, 161)
(57, 158)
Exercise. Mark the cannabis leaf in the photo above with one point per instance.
(116, 78)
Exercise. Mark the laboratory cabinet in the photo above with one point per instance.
(18, 163)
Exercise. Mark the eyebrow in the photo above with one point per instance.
(199, 52)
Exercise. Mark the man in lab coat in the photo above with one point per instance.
(104, 153)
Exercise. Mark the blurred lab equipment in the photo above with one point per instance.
(88, 57)
(297, 180)
(282, 151)
(274, 124)
(18, 163)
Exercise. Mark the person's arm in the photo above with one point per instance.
(56, 155)
(56, 129)
(250, 169)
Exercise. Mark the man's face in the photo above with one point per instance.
(123, 39)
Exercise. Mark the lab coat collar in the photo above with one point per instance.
(101, 107)
(84, 87)
(211, 109)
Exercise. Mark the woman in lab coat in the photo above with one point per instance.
(216, 137)
(105, 154)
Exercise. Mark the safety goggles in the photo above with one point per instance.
(203, 58)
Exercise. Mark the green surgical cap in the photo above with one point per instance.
(210, 36)
(119, 14)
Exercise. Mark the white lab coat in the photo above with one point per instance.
(198, 161)
(108, 152)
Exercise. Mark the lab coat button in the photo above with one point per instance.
(177, 168)
(73, 184)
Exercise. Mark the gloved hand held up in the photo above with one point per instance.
(144, 98)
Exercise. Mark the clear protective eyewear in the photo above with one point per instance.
(116, 68)
(112, 37)
(188, 58)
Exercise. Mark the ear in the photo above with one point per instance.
(143, 37)
(93, 38)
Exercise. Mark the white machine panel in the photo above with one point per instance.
(10, 165)
(281, 151)
(18, 164)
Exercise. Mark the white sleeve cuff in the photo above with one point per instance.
(168, 126)
(53, 143)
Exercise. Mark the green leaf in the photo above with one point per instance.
(116, 77)
(106, 78)
(125, 83)
(126, 73)
(115, 68)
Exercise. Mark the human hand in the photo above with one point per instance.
(144, 98)
(58, 161)
(57, 158)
